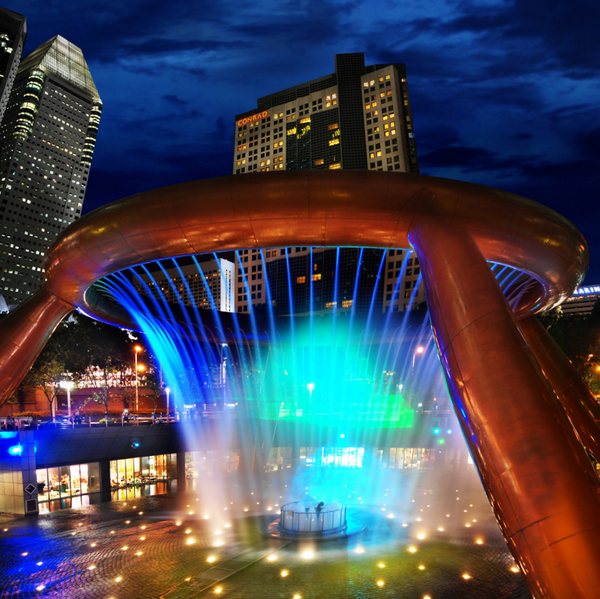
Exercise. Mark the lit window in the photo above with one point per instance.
(334, 142)
(367, 107)
(332, 127)
(319, 161)
(347, 303)
(335, 166)
(316, 277)
(300, 279)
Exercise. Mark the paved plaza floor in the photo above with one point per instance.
(163, 547)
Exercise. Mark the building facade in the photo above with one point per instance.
(356, 118)
(47, 140)
(13, 33)
(582, 301)
(198, 284)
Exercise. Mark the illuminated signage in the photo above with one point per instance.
(255, 117)
(593, 290)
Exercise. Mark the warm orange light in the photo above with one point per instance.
(141, 368)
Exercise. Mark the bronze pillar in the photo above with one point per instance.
(537, 475)
(24, 333)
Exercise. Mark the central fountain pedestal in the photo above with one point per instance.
(309, 519)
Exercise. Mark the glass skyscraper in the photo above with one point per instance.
(13, 33)
(47, 140)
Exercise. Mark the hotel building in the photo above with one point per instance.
(47, 140)
(356, 118)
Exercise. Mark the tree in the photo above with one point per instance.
(46, 374)
(94, 353)
(578, 335)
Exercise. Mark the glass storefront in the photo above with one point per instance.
(139, 471)
(280, 458)
(400, 458)
(139, 477)
(67, 486)
(206, 464)
(412, 457)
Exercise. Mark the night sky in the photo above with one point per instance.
(503, 93)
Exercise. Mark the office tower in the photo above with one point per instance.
(47, 140)
(13, 33)
(356, 118)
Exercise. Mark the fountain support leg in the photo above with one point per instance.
(535, 471)
(23, 335)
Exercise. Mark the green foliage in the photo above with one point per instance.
(91, 352)
(578, 335)
(45, 374)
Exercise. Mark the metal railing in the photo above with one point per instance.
(311, 520)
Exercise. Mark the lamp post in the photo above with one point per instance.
(419, 351)
(68, 385)
(168, 390)
(223, 372)
(137, 349)
(310, 388)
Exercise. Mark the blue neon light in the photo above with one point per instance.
(592, 290)
(15, 450)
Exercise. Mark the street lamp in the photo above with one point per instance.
(419, 351)
(223, 372)
(310, 388)
(68, 385)
(137, 349)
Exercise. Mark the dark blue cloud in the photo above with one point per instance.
(503, 93)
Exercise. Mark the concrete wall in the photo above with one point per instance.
(16, 473)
